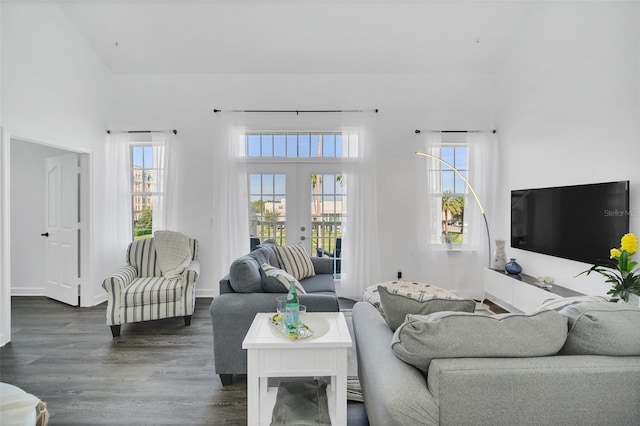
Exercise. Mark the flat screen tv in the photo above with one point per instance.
(579, 222)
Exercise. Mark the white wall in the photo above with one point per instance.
(570, 80)
(28, 194)
(568, 113)
(406, 102)
(5, 290)
(55, 90)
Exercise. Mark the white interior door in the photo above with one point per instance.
(62, 217)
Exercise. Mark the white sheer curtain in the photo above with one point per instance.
(456, 268)
(429, 206)
(360, 251)
(117, 196)
(483, 155)
(435, 268)
(165, 160)
(230, 198)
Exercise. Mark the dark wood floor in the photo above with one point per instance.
(157, 372)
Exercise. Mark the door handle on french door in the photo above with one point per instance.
(46, 234)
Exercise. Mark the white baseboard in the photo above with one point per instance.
(98, 299)
(206, 293)
(27, 291)
(101, 298)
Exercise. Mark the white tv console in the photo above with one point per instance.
(519, 293)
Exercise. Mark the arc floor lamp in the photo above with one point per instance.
(473, 191)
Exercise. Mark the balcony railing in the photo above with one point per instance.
(323, 233)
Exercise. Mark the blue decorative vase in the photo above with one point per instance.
(513, 268)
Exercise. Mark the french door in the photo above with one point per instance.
(294, 202)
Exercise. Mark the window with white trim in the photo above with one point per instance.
(145, 187)
(451, 192)
(269, 209)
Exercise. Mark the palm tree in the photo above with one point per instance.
(451, 206)
(316, 182)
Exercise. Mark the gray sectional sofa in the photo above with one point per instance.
(585, 371)
(245, 291)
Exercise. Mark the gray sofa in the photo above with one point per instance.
(244, 292)
(541, 390)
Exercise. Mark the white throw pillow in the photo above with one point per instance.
(174, 253)
(271, 272)
(295, 260)
(561, 303)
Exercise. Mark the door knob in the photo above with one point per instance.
(46, 234)
(302, 229)
(303, 238)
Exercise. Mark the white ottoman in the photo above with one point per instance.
(18, 407)
(417, 290)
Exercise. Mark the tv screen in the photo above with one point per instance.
(580, 222)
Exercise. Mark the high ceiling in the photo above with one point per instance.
(298, 36)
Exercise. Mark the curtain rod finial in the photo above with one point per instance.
(216, 110)
(418, 131)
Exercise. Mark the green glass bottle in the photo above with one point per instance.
(292, 316)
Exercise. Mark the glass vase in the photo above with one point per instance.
(513, 268)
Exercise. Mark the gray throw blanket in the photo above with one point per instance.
(301, 403)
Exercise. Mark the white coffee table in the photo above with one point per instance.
(271, 354)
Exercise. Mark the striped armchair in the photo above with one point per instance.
(138, 292)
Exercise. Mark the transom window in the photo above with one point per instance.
(298, 145)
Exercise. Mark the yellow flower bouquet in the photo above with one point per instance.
(621, 274)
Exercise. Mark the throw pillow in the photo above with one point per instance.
(602, 329)
(464, 335)
(562, 302)
(397, 306)
(245, 276)
(269, 244)
(295, 260)
(261, 255)
(278, 281)
(174, 253)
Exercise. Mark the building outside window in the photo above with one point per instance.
(145, 184)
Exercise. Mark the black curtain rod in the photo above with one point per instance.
(175, 132)
(297, 111)
(456, 131)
